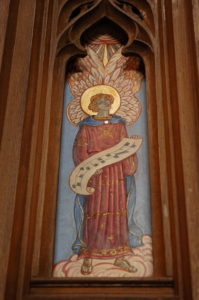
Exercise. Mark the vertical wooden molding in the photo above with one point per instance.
(188, 110)
(4, 13)
(12, 135)
(6, 57)
(35, 48)
(195, 16)
(154, 158)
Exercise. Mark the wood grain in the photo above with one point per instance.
(35, 49)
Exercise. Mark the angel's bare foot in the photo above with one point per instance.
(125, 265)
(86, 268)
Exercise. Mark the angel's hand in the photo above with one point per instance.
(135, 137)
(99, 171)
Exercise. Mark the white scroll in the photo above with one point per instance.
(82, 173)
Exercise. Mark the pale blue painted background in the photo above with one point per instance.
(65, 227)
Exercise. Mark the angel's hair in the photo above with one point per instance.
(94, 99)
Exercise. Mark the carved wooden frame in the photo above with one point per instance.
(55, 42)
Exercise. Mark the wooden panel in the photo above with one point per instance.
(100, 288)
(4, 12)
(7, 44)
(15, 71)
(195, 14)
(32, 86)
(194, 210)
(163, 136)
(187, 80)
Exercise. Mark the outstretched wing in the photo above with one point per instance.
(135, 78)
(78, 83)
(114, 68)
(129, 84)
(93, 72)
(74, 112)
(96, 67)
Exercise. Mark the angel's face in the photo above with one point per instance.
(103, 105)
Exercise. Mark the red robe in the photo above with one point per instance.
(105, 213)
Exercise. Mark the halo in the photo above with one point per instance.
(98, 89)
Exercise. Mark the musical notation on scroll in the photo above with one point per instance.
(82, 173)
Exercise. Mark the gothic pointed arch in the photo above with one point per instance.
(132, 23)
(55, 34)
(136, 21)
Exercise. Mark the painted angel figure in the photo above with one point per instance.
(110, 240)
(104, 219)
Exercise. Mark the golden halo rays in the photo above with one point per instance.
(99, 89)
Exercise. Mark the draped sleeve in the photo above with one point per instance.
(129, 165)
(80, 148)
(94, 139)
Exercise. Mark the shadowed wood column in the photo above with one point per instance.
(4, 12)
(34, 50)
(186, 47)
(14, 80)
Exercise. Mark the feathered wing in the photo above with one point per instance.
(93, 72)
(78, 83)
(114, 68)
(136, 80)
(127, 83)
(130, 108)
(74, 112)
(97, 67)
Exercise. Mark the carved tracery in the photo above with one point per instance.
(80, 23)
(134, 18)
(53, 40)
